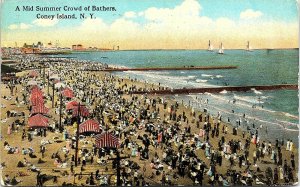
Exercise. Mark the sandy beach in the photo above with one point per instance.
(164, 142)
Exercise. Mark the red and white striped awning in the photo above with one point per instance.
(90, 126)
(36, 99)
(68, 93)
(71, 105)
(106, 139)
(83, 111)
(36, 89)
(39, 109)
(38, 121)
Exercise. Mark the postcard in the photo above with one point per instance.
(147, 93)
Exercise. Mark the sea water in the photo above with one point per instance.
(274, 113)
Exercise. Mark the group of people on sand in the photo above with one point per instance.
(166, 142)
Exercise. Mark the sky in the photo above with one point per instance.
(155, 24)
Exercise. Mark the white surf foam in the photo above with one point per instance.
(256, 92)
(201, 80)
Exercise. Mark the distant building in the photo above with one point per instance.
(30, 48)
(40, 45)
(77, 47)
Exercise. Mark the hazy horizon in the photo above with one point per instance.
(177, 24)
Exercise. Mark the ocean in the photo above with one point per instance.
(275, 112)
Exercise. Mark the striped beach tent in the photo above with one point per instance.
(90, 126)
(39, 109)
(83, 111)
(38, 121)
(36, 99)
(70, 105)
(36, 89)
(106, 139)
(68, 93)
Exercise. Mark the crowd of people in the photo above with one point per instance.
(162, 141)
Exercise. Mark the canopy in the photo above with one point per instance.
(90, 126)
(38, 121)
(36, 96)
(36, 99)
(54, 76)
(36, 89)
(39, 109)
(59, 85)
(106, 139)
(68, 93)
(71, 105)
(83, 111)
(33, 74)
(31, 83)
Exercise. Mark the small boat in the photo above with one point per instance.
(210, 47)
(248, 48)
(221, 50)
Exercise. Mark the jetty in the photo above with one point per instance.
(220, 89)
(168, 68)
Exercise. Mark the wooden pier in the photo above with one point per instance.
(219, 89)
(168, 68)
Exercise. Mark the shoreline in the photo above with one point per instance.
(168, 88)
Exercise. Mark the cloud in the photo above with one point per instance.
(130, 14)
(93, 25)
(141, 13)
(22, 26)
(45, 22)
(37, 22)
(179, 27)
(13, 27)
(250, 14)
(184, 27)
(188, 9)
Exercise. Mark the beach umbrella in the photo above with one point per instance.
(38, 121)
(54, 76)
(32, 83)
(83, 111)
(90, 126)
(59, 85)
(71, 105)
(33, 74)
(55, 81)
(106, 139)
(68, 93)
(39, 109)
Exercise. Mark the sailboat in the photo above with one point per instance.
(210, 47)
(248, 48)
(221, 50)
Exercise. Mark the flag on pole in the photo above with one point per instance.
(159, 137)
